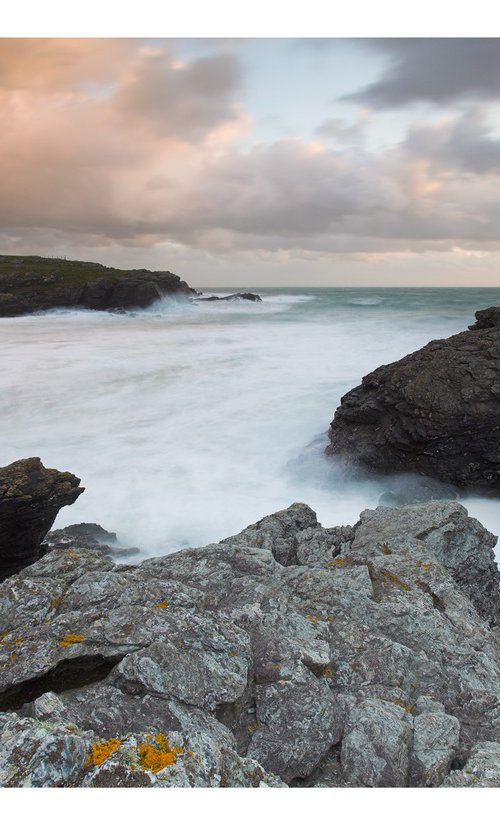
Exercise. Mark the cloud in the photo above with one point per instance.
(108, 143)
(180, 99)
(467, 143)
(436, 70)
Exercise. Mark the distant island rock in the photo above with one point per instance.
(32, 284)
(435, 412)
(289, 654)
(236, 296)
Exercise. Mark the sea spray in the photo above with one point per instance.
(187, 422)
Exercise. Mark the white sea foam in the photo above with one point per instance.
(187, 424)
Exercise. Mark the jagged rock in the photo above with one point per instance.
(33, 284)
(436, 739)
(459, 542)
(377, 744)
(487, 318)
(30, 498)
(88, 536)
(434, 412)
(358, 659)
(482, 769)
(41, 754)
(278, 532)
(84, 534)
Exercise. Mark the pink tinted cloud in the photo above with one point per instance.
(117, 141)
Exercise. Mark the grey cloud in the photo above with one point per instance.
(183, 101)
(465, 144)
(438, 70)
(341, 131)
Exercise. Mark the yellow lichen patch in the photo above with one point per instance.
(406, 707)
(11, 641)
(13, 656)
(71, 639)
(391, 577)
(161, 604)
(386, 549)
(233, 653)
(327, 672)
(72, 553)
(190, 753)
(55, 602)
(101, 750)
(153, 758)
(336, 561)
(252, 726)
(424, 564)
(314, 619)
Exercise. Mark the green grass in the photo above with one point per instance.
(77, 272)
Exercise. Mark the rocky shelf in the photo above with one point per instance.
(287, 655)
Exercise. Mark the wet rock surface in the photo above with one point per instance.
(435, 412)
(30, 498)
(290, 653)
(33, 284)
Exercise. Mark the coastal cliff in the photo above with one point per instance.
(33, 284)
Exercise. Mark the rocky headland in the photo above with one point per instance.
(32, 284)
(289, 654)
(435, 412)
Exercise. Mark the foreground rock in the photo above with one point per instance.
(290, 653)
(31, 284)
(30, 499)
(435, 412)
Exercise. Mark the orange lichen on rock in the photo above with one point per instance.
(72, 553)
(406, 707)
(386, 549)
(101, 750)
(391, 577)
(336, 561)
(161, 604)
(71, 639)
(314, 618)
(56, 602)
(153, 758)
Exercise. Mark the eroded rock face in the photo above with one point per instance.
(30, 498)
(435, 412)
(289, 653)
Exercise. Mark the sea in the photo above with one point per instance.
(188, 421)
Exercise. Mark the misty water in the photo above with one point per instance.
(188, 422)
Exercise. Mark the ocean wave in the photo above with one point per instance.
(366, 302)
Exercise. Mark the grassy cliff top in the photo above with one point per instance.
(77, 272)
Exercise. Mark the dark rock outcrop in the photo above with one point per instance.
(33, 284)
(289, 653)
(237, 296)
(435, 412)
(30, 498)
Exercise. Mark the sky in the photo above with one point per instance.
(351, 161)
